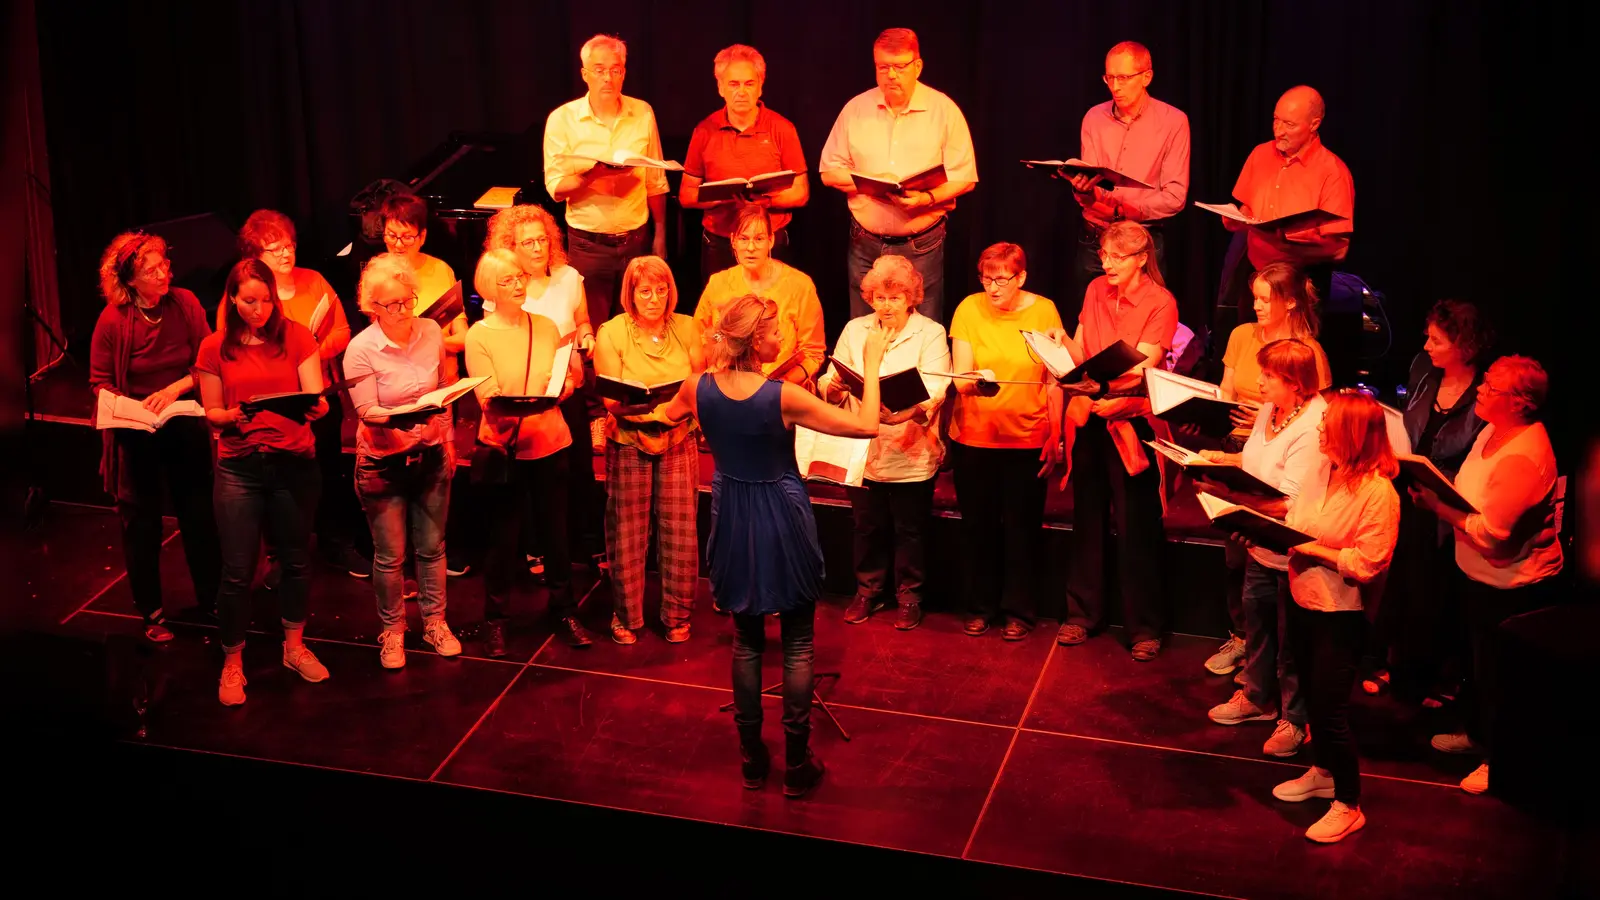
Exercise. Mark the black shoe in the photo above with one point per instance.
(274, 577)
(976, 625)
(799, 780)
(494, 638)
(569, 629)
(1016, 630)
(756, 762)
(861, 609)
(910, 616)
(357, 565)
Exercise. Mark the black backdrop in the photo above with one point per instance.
(158, 109)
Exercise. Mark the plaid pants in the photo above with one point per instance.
(635, 481)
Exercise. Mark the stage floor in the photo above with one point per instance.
(1064, 760)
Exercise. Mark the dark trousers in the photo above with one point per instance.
(340, 522)
(273, 494)
(749, 642)
(1418, 634)
(1086, 266)
(537, 493)
(716, 252)
(891, 523)
(1106, 497)
(178, 454)
(585, 496)
(1486, 608)
(1001, 497)
(1327, 648)
(601, 259)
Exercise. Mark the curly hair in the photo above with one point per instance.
(1526, 381)
(1465, 327)
(503, 230)
(381, 268)
(265, 226)
(119, 264)
(891, 275)
(731, 346)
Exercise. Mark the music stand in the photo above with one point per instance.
(817, 702)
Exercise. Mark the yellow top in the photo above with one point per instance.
(799, 313)
(501, 353)
(649, 363)
(1017, 416)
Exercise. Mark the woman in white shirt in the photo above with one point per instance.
(895, 501)
(555, 291)
(1282, 451)
(1506, 552)
(1353, 515)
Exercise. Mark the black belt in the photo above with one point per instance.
(899, 238)
(615, 240)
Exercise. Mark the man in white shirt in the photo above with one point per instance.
(899, 129)
(609, 207)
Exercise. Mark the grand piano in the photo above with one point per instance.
(451, 177)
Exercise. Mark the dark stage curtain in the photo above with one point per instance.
(162, 109)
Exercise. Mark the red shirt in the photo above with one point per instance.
(1271, 186)
(261, 369)
(1147, 316)
(717, 150)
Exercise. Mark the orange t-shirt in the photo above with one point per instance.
(1017, 416)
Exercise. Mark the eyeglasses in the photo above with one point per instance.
(282, 250)
(511, 281)
(1107, 256)
(156, 271)
(529, 244)
(892, 69)
(1120, 80)
(1001, 281)
(602, 71)
(404, 240)
(395, 307)
(649, 292)
(751, 240)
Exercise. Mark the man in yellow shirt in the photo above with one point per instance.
(609, 207)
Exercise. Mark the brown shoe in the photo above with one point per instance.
(1016, 630)
(1072, 635)
(860, 610)
(976, 625)
(1146, 650)
(677, 634)
(622, 634)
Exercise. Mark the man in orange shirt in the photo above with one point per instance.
(1289, 174)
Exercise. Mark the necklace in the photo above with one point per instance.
(1277, 429)
(146, 316)
(655, 348)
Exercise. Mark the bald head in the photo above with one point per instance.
(1296, 119)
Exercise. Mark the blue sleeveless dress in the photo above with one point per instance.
(763, 552)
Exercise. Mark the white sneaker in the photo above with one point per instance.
(438, 634)
(1313, 783)
(1478, 781)
(304, 663)
(1286, 739)
(1240, 709)
(1340, 822)
(230, 690)
(1453, 743)
(392, 649)
(1227, 658)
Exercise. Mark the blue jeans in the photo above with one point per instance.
(407, 495)
(275, 493)
(926, 252)
(1271, 680)
(749, 641)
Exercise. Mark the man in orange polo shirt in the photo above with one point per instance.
(1291, 173)
(742, 140)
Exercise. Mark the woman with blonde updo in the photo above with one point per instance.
(763, 553)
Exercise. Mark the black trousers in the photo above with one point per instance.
(891, 524)
(537, 492)
(1105, 496)
(585, 496)
(1001, 497)
(1419, 632)
(1486, 608)
(179, 456)
(1327, 652)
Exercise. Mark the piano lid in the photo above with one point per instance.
(457, 172)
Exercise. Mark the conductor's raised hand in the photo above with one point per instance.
(877, 343)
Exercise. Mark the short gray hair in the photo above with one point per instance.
(739, 53)
(606, 41)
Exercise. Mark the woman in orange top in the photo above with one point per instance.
(268, 235)
(1004, 438)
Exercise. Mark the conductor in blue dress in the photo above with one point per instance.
(763, 552)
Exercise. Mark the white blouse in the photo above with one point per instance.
(1287, 460)
(560, 300)
(910, 451)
